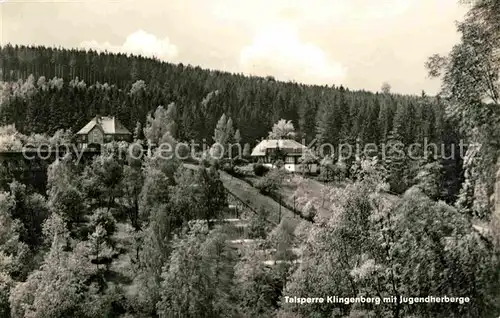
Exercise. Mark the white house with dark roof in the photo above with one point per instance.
(103, 129)
(290, 151)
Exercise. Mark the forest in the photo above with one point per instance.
(125, 237)
(47, 103)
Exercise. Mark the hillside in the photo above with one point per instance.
(137, 85)
(47, 89)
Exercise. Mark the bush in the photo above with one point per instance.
(240, 162)
(271, 181)
(183, 151)
(325, 174)
(279, 164)
(214, 163)
(258, 226)
(205, 163)
(228, 167)
(245, 171)
(309, 211)
(259, 169)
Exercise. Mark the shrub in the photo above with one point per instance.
(240, 162)
(245, 171)
(214, 163)
(259, 169)
(334, 172)
(279, 164)
(258, 226)
(310, 211)
(228, 167)
(325, 174)
(183, 151)
(205, 163)
(271, 181)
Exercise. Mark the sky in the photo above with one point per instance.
(357, 43)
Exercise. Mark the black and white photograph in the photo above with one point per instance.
(249, 158)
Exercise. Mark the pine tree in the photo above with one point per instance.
(220, 130)
(384, 122)
(396, 162)
(308, 119)
(327, 124)
(171, 116)
(138, 131)
(237, 136)
(221, 138)
(229, 130)
(428, 175)
(371, 133)
(246, 150)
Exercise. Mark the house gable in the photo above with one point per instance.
(103, 129)
(108, 125)
(96, 135)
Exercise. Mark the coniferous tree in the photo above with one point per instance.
(237, 136)
(220, 130)
(396, 162)
(138, 131)
(246, 150)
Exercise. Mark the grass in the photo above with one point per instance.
(243, 189)
(297, 190)
(254, 198)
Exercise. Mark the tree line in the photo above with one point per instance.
(38, 98)
(132, 86)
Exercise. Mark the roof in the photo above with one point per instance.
(286, 145)
(109, 125)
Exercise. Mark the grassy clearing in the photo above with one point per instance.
(256, 200)
(297, 191)
(244, 190)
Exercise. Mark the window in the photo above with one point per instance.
(290, 159)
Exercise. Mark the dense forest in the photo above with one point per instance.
(45, 103)
(69, 87)
(124, 237)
